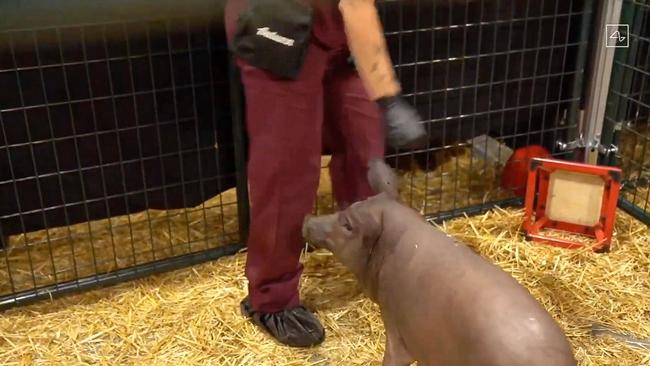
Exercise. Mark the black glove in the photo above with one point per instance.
(402, 124)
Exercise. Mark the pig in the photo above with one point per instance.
(441, 303)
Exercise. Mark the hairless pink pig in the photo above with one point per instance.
(441, 303)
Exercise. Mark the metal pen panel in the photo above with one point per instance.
(510, 69)
(116, 153)
(626, 123)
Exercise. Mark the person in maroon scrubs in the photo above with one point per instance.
(290, 121)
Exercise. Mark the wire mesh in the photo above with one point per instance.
(117, 155)
(509, 69)
(116, 152)
(627, 120)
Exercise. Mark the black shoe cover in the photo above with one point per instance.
(402, 124)
(296, 327)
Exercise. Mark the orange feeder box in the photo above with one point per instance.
(572, 197)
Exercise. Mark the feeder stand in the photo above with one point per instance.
(571, 197)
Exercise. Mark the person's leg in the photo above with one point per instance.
(355, 134)
(284, 123)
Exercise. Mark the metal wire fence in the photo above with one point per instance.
(509, 69)
(117, 155)
(115, 146)
(627, 120)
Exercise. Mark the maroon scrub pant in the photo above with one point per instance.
(289, 123)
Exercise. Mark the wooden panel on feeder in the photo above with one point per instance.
(575, 198)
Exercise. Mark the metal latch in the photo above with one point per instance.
(572, 145)
(593, 145)
(603, 150)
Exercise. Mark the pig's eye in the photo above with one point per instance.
(345, 222)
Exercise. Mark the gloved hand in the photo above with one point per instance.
(402, 123)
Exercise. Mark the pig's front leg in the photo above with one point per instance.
(396, 353)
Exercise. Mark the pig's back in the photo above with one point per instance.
(454, 307)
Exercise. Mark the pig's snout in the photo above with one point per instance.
(317, 229)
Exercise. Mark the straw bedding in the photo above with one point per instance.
(635, 162)
(190, 316)
(49, 256)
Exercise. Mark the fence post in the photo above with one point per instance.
(599, 81)
(240, 147)
(573, 113)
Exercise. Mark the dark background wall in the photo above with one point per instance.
(502, 67)
(108, 110)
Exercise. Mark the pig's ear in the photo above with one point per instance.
(383, 179)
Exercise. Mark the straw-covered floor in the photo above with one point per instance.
(191, 317)
(635, 162)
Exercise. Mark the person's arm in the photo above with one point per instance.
(367, 45)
